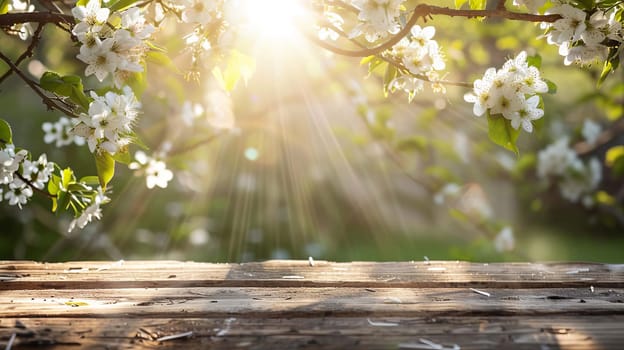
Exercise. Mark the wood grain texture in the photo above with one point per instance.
(293, 305)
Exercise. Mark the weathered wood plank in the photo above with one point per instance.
(325, 305)
(522, 332)
(137, 274)
(307, 302)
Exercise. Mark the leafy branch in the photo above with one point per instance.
(425, 11)
(33, 85)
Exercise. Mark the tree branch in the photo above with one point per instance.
(424, 11)
(47, 100)
(29, 50)
(9, 19)
(31, 185)
(583, 148)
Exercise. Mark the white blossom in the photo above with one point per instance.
(421, 55)
(527, 114)
(575, 179)
(18, 193)
(326, 32)
(23, 30)
(504, 240)
(450, 190)
(133, 21)
(100, 58)
(581, 40)
(59, 132)
(591, 131)
(511, 91)
(92, 211)
(555, 159)
(154, 169)
(191, 112)
(570, 27)
(198, 11)
(117, 51)
(91, 17)
(38, 172)
(10, 162)
(108, 124)
(378, 18)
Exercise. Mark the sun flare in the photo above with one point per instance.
(273, 19)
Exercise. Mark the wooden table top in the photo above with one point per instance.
(311, 305)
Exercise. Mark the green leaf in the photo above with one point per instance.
(552, 87)
(90, 180)
(105, 165)
(54, 204)
(477, 4)
(67, 178)
(160, 58)
(374, 64)
(82, 2)
(69, 86)
(459, 3)
(611, 64)
(121, 5)
(414, 143)
(391, 73)
(135, 139)
(63, 200)
(137, 82)
(604, 198)
(54, 185)
(615, 160)
(123, 156)
(367, 59)
(535, 61)
(78, 187)
(4, 6)
(6, 135)
(502, 133)
(238, 66)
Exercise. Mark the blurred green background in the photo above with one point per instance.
(311, 170)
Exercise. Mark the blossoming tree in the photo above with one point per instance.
(114, 43)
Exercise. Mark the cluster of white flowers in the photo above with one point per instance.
(421, 55)
(108, 124)
(109, 50)
(377, 18)
(19, 184)
(581, 36)
(23, 30)
(154, 169)
(511, 91)
(92, 211)
(60, 134)
(576, 179)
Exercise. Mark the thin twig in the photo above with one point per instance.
(29, 50)
(616, 129)
(195, 145)
(31, 185)
(47, 100)
(399, 65)
(424, 11)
